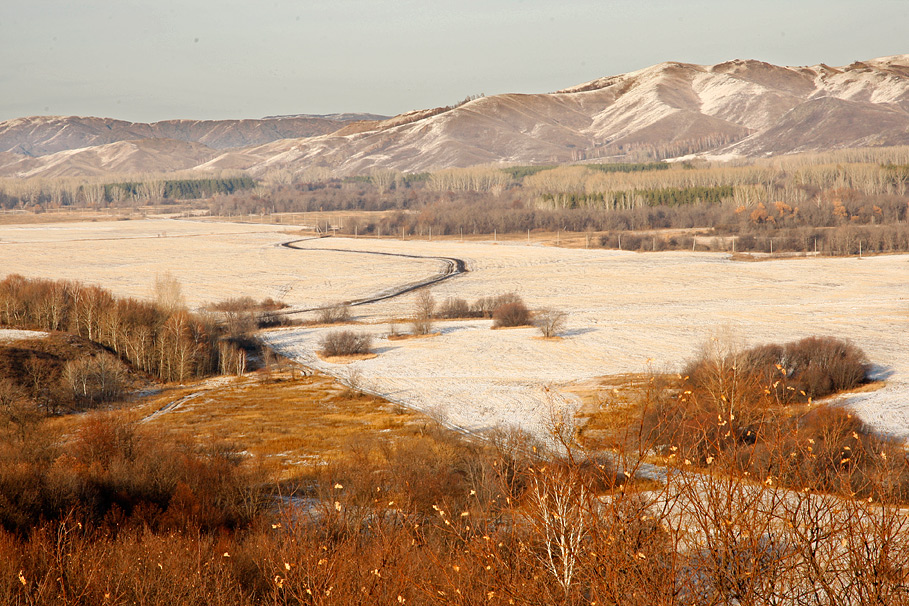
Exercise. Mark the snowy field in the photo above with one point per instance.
(213, 261)
(628, 312)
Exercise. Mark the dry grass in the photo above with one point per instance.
(30, 218)
(610, 407)
(348, 358)
(408, 336)
(293, 423)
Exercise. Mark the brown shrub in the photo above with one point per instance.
(334, 314)
(454, 308)
(794, 372)
(345, 343)
(485, 306)
(511, 314)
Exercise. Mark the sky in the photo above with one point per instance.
(204, 59)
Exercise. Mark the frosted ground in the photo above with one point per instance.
(628, 312)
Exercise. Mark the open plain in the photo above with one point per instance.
(627, 312)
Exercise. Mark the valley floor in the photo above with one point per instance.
(627, 312)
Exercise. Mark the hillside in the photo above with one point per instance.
(741, 108)
(122, 157)
(42, 135)
(744, 108)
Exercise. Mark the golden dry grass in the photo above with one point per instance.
(409, 336)
(348, 358)
(30, 218)
(610, 406)
(292, 422)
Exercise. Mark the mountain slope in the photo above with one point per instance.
(746, 108)
(41, 135)
(122, 157)
(736, 108)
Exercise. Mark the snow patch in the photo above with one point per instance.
(8, 335)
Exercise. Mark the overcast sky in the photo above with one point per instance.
(155, 60)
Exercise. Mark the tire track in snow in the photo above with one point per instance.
(452, 267)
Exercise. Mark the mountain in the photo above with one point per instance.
(736, 108)
(122, 157)
(41, 135)
(740, 108)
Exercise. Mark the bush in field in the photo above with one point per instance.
(510, 314)
(549, 321)
(810, 368)
(454, 308)
(346, 343)
(242, 315)
(484, 307)
(334, 314)
(739, 407)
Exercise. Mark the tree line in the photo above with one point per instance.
(160, 338)
(37, 194)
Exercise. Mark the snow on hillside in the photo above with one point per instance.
(8, 335)
(746, 107)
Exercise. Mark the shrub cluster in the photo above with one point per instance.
(334, 314)
(755, 411)
(345, 343)
(110, 473)
(511, 314)
(794, 372)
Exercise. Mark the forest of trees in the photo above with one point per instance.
(41, 194)
(843, 202)
(160, 338)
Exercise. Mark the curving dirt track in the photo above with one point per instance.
(452, 267)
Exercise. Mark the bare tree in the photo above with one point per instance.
(549, 321)
(558, 513)
(334, 314)
(168, 293)
(424, 306)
